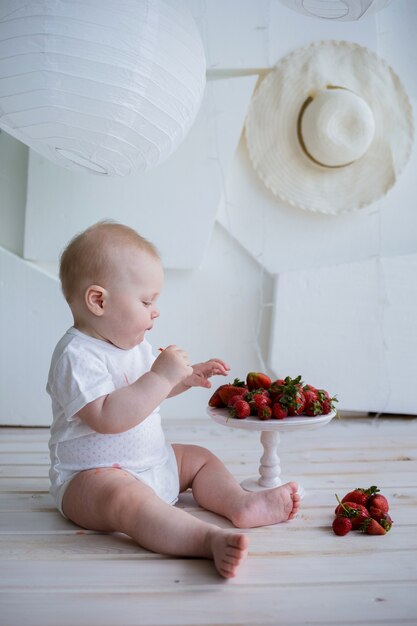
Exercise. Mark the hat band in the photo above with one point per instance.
(304, 106)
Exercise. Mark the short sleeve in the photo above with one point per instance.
(148, 355)
(79, 377)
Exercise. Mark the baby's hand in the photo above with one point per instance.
(203, 371)
(172, 364)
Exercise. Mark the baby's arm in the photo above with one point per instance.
(126, 407)
(200, 376)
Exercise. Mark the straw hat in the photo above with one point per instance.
(330, 128)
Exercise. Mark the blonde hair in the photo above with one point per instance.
(87, 258)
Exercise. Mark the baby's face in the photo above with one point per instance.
(132, 292)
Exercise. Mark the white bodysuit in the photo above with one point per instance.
(83, 369)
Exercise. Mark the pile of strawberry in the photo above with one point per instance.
(365, 510)
(266, 399)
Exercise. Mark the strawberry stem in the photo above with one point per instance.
(341, 503)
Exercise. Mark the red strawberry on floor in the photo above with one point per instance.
(372, 527)
(355, 512)
(381, 517)
(379, 501)
(257, 380)
(341, 526)
(359, 495)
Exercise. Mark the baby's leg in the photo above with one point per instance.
(113, 500)
(216, 489)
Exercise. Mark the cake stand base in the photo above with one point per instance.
(270, 464)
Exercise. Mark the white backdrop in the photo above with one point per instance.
(224, 239)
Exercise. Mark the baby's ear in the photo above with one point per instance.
(94, 299)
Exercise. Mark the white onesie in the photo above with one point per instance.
(82, 369)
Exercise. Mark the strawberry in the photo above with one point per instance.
(215, 400)
(257, 402)
(276, 388)
(257, 380)
(279, 411)
(371, 527)
(312, 406)
(234, 399)
(360, 496)
(326, 407)
(379, 501)
(261, 400)
(290, 395)
(240, 409)
(381, 517)
(386, 523)
(227, 391)
(293, 397)
(341, 526)
(264, 412)
(354, 511)
(297, 403)
(327, 403)
(344, 506)
(310, 395)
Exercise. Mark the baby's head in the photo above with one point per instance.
(93, 256)
(100, 269)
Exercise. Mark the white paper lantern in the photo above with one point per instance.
(105, 86)
(341, 10)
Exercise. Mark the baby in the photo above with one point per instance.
(111, 468)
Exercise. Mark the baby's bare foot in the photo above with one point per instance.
(229, 551)
(270, 506)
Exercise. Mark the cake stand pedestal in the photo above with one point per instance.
(270, 464)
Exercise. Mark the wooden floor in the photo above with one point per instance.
(54, 574)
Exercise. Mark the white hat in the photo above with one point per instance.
(330, 128)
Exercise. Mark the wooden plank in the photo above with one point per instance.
(339, 431)
(92, 578)
(315, 498)
(122, 576)
(50, 521)
(228, 453)
(24, 485)
(23, 446)
(71, 546)
(24, 458)
(312, 542)
(21, 434)
(229, 603)
(251, 463)
(26, 471)
(336, 483)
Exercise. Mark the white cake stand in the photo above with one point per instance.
(270, 467)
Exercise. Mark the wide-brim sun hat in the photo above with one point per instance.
(330, 127)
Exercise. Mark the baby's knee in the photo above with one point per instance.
(121, 497)
(202, 454)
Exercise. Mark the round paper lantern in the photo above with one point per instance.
(104, 86)
(342, 10)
